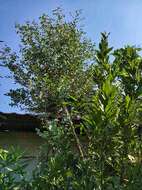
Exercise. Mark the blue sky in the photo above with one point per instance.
(122, 18)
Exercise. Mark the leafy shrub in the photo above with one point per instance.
(12, 170)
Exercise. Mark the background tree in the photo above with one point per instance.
(52, 63)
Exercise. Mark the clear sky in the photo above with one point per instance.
(122, 18)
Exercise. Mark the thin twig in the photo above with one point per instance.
(74, 133)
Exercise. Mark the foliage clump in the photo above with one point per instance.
(52, 65)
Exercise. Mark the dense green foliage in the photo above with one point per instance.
(52, 65)
(106, 153)
(12, 174)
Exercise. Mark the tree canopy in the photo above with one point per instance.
(52, 63)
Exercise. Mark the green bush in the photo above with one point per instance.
(12, 170)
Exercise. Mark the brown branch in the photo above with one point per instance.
(74, 134)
